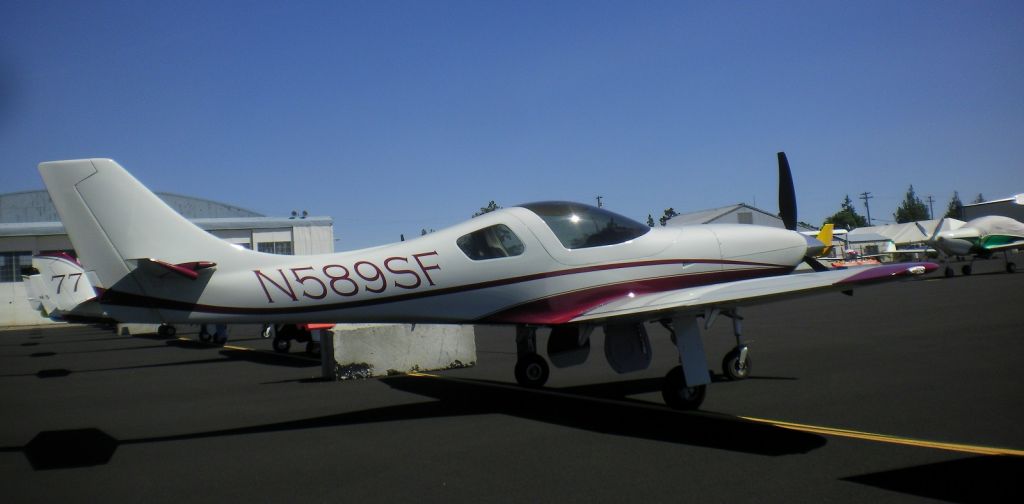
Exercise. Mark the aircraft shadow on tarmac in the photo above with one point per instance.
(991, 478)
(92, 446)
(226, 355)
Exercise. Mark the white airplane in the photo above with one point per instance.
(568, 266)
(980, 237)
(62, 289)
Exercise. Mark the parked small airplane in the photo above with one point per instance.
(568, 266)
(980, 237)
(62, 289)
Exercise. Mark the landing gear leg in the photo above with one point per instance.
(531, 369)
(1010, 267)
(736, 364)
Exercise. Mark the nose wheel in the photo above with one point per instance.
(736, 364)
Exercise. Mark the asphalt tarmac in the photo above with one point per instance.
(904, 392)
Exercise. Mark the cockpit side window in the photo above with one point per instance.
(580, 226)
(490, 243)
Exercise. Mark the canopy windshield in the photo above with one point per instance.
(582, 226)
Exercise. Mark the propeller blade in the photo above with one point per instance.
(938, 229)
(921, 228)
(787, 195)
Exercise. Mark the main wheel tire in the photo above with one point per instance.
(733, 369)
(532, 371)
(677, 395)
(1011, 267)
(949, 272)
(966, 270)
(205, 336)
(282, 345)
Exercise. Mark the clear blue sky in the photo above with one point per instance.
(397, 116)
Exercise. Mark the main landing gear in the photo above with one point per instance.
(677, 395)
(219, 335)
(166, 331)
(967, 268)
(627, 349)
(531, 369)
(302, 333)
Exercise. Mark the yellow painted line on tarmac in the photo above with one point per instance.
(885, 438)
(846, 433)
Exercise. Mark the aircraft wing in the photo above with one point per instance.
(748, 292)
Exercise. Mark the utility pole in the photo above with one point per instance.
(866, 196)
(599, 198)
(931, 209)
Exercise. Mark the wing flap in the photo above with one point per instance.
(747, 292)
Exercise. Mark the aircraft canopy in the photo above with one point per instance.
(582, 226)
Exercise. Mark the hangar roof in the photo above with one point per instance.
(711, 215)
(57, 228)
(35, 206)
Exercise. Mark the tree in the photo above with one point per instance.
(669, 213)
(847, 216)
(979, 199)
(912, 209)
(492, 206)
(650, 221)
(955, 210)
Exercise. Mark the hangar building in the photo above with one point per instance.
(1012, 207)
(740, 213)
(29, 225)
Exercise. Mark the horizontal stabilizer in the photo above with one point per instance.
(156, 267)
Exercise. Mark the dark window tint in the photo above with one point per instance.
(490, 243)
(582, 226)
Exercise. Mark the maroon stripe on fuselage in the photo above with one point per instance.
(562, 308)
(115, 297)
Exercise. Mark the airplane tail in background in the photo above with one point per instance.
(113, 221)
(825, 236)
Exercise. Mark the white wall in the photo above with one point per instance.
(14, 307)
(313, 239)
(757, 218)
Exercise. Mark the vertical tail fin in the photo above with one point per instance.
(112, 218)
(825, 236)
